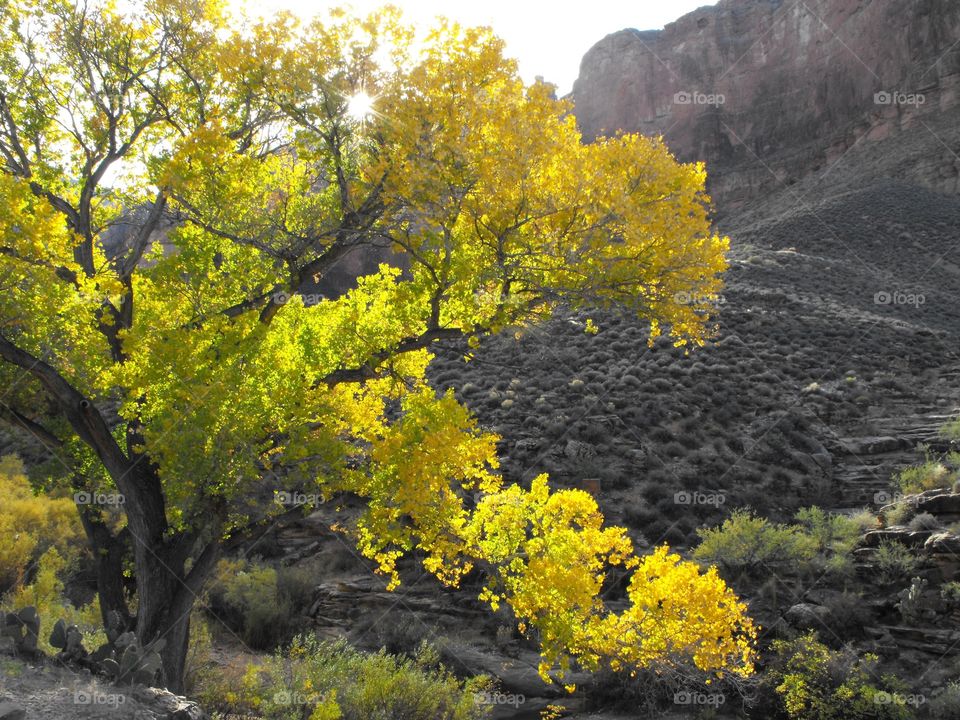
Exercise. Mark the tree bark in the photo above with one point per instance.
(167, 594)
(109, 552)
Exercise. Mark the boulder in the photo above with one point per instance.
(807, 616)
(168, 706)
(942, 543)
(578, 450)
(874, 445)
(9, 711)
(940, 505)
(902, 535)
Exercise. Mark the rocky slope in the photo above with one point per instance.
(769, 91)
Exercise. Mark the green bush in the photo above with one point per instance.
(31, 524)
(951, 430)
(746, 544)
(46, 594)
(947, 703)
(928, 475)
(835, 536)
(264, 603)
(812, 682)
(894, 562)
(332, 681)
(950, 592)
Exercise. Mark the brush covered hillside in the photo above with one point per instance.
(836, 351)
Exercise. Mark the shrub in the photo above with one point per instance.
(745, 543)
(924, 521)
(31, 524)
(265, 602)
(947, 703)
(45, 593)
(950, 592)
(834, 535)
(894, 562)
(951, 430)
(813, 682)
(928, 475)
(901, 512)
(848, 615)
(332, 681)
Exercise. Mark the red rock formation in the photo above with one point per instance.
(764, 88)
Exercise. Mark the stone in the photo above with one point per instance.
(942, 543)
(170, 706)
(943, 504)
(9, 711)
(807, 616)
(902, 535)
(874, 445)
(575, 450)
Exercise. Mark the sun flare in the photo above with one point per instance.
(360, 106)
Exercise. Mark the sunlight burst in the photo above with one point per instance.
(360, 106)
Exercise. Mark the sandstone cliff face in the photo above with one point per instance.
(767, 91)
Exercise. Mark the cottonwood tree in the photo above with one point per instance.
(172, 178)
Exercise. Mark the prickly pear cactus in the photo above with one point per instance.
(69, 640)
(133, 664)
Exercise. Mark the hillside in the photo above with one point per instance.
(810, 392)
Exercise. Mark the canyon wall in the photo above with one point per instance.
(768, 91)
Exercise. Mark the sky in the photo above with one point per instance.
(547, 38)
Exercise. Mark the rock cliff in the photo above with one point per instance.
(768, 91)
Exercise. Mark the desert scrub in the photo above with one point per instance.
(30, 524)
(261, 602)
(894, 562)
(746, 544)
(951, 430)
(924, 521)
(928, 475)
(835, 536)
(46, 594)
(812, 682)
(332, 681)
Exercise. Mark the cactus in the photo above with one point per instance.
(133, 663)
(69, 641)
(23, 627)
(123, 659)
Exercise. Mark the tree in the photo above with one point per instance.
(171, 180)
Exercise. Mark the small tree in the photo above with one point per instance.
(171, 181)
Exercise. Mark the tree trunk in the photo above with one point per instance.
(167, 594)
(109, 552)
